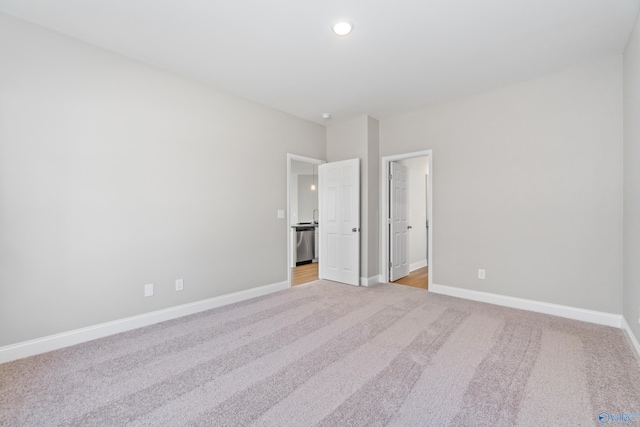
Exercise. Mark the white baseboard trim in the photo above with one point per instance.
(635, 345)
(373, 280)
(77, 336)
(591, 316)
(417, 265)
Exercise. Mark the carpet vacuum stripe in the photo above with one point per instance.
(132, 406)
(245, 407)
(330, 354)
(377, 402)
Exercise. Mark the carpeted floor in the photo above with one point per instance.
(335, 355)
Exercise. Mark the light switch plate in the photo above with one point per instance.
(280, 213)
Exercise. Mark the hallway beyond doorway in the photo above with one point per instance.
(420, 216)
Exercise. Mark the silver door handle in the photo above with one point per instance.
(355, 230)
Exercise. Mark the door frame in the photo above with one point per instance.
(384, 210)
(304, 159)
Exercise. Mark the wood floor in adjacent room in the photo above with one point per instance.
(309, 272)
(304, 273)
(418, 279)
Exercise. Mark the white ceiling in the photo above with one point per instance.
(401, 55)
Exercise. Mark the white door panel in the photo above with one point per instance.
(339, 193)
(399, 227)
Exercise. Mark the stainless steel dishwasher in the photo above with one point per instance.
(305, 244)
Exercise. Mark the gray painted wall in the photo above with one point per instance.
(527, 184)
(632, 182)
(373, 197)
(114, 174)
(307, 198)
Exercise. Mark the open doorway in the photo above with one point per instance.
(406, 220)
(302, 219)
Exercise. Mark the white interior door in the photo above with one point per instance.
(339, 223)
(399, 225)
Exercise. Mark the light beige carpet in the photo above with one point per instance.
(334, 355)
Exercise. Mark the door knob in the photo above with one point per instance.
(409, 227)
(355, 230)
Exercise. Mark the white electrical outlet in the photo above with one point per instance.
(148, 290)
(481, 274)
(179, 284)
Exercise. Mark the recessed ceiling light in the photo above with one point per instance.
(342, 28)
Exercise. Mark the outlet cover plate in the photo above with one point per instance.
(148, 290)
(179, 285)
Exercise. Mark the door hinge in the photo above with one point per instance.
(390, 264)
(389, 221)
(390, 177)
